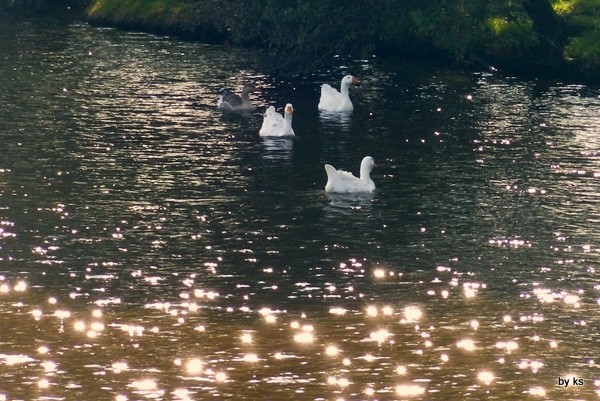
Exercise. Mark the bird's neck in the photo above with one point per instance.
(344, 89)
(287, 121)
(365, 175)
(246, 99)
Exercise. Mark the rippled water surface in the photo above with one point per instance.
(152, 247)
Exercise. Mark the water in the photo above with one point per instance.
(154, 248)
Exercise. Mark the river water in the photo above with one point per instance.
(154, 248)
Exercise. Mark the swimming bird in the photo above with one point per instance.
(274, 124)
(340, 181)
(228, 100)
(332, 100)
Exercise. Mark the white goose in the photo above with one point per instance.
(274, 124)
(332, 100)
(228, 100)
(340, 181)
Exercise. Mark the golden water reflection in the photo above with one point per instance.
(409, 350)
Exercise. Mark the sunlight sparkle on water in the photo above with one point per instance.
(409, 390)
(507, 345)
(337, 311)
(371, 322)
(15, 359)
(62, 314)
(144, 385)
(572, 299)
(20, 286)
(412, 314)
(485, 376)
(332, 350)
(308, 328)
(194, 366)
(304, 337)
(466, 344)
(97, 326)
(48, 366)
(220, 377)
(401, 370)
(43, 383)
(182, 394)
(380, 335)
(379, 273)
(246, 338)
(372, 311)
(265, 311)
(210, 295)
(338, 381)
(270, 319)
(537, 391)
(119, 367)
(533, 365)
(131, 330)
(470, 289)
(369, 358)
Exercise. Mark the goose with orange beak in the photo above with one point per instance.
(332, 100)
(276, 125)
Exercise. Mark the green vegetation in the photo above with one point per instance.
(537, 35)
(583, 48)
(198, 19)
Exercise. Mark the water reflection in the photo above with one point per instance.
(350, 202)
(341, 120)
(278, 148)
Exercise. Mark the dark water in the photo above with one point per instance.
(154, 248)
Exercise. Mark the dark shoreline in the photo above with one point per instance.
(209, 26)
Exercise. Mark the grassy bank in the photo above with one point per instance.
(561, 36)
(202, 20)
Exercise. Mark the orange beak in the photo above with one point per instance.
(355, 81)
